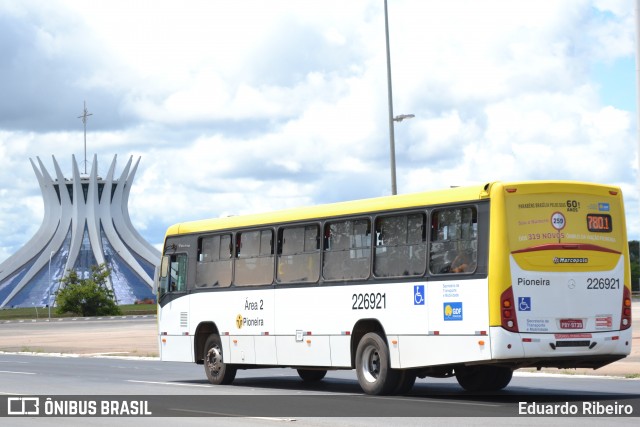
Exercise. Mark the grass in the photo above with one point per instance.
(31, 350)
(43, 312)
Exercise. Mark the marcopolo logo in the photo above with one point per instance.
(564, 260)
(452, 311)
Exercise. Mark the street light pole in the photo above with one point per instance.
(392, 143)
(50, 284)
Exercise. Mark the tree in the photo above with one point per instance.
(87, 297)
(634, 260)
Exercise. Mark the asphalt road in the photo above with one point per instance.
(179, 389)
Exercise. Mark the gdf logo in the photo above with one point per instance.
(239, 321)
(452, 311)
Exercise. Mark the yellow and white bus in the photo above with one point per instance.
(470, 282)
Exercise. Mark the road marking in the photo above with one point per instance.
(433, 400)
(168, 383)
(105, 354)
(224, 414)
(17, 372)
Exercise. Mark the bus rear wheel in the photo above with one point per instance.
(218, 372)
(375, 375)
(312, 375)
(483, 378)
(405, 382)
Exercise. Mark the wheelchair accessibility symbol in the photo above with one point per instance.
(524, 303)
(418, 295)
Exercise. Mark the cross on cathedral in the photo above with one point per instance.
(84, 116)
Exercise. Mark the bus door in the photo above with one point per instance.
(173, 319)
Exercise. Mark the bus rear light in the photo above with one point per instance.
(507, 314)
(613, 192)
(511, 190)
(625, 321)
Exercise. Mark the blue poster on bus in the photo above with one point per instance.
(452, 311)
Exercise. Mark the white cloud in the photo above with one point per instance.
(252, 106)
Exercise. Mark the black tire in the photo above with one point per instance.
(218, 372)
(406, 381)
(484, 378)
(312, 375)
(375, 375)
(503, 378)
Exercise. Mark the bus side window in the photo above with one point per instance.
(254, 258)
(400, 246)
(214, 266)
(298, 254)
(454, 241)
(347, 251)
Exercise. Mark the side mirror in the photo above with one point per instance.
(164, 267)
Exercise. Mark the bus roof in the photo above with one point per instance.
(378, 204)
(449, 195)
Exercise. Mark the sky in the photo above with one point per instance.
(252, 106)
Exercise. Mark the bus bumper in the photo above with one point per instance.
(566, 350)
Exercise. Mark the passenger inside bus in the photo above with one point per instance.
(460, 263)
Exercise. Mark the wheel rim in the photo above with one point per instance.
(370, 364)
(214, 361)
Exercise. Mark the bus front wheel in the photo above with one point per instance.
(483, 378)
(375, 375)
(217, 371)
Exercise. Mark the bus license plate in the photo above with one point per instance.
(571, 324)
